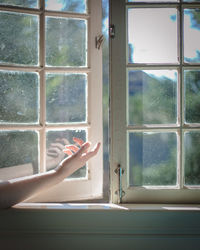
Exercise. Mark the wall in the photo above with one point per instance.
(99, 229)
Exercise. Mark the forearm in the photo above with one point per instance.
(18, 190)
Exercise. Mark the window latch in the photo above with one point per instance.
(99, 41)
(119, 171)
(112, 31)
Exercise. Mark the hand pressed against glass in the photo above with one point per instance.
(17, 190)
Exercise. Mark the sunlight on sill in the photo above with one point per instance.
(109, 206)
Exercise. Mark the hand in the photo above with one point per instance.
(79, 154)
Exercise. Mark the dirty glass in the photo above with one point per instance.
(66, 98)
(66, 43)
(192, 96)
(18, 154)
(152, 158)
(152, 97)
(19, 38)
(192, 157)
(19, 102)
(21, 3)
(192, 35)
(152, 35)
(78, 6)
(55, 145)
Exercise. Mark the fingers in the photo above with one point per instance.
(93, 152)
(79, 141)
(72, 147)
(68, 151)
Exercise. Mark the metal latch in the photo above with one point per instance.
(112, 31)
(119, 171)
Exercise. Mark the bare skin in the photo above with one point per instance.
(20, 189)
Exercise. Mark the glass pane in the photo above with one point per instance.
(152, 35)
(66, 43)
(192, 158)
(78, 6)
(55, 144)
(21, 3)
(66, 98)
(152, 96)
(192, 96)
(19, 38)
(192, 35)
(19, 102)
(152, 158)
(18, 154)
(191, 0)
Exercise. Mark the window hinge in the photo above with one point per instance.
(112, 31)
(119, 171)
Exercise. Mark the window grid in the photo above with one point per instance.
(180, 127)
(42, 69)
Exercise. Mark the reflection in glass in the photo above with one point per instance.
(192, 35)
(152, 158)
(66, 98)
(192, 96)
(19, 102)
(192, 158)
(55, 145)
(21, 3)
(152, 97)
(19, 38)
(78, 6)
(152, 35)
(66, 43)
(18, 154)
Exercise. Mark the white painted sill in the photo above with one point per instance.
(109, 206)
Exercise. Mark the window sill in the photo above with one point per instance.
(109, 206)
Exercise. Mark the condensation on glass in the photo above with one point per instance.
(192, 35)
(152, 158)
(20, 3)
(66, 98)
(192, 96)
(152, 35)
(18, 154)
(191, 157)
(66, 42)
(152, 97)
(19, 102)
(19, 38)
(77, 6)
(58, 139)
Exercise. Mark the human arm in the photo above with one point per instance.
(18, 190)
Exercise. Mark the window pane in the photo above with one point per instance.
(55, 144)
(152, 96)
(66, 43)
(19, 38)
(152, 35)
(192, 35)
(192, 96)
(18, 154)
(19, 97)
(192, 158)
(152, 158)
(66, 98)
(78, 6)
(21, 3)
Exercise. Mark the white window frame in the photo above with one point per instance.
(121, 191)
(90, 187)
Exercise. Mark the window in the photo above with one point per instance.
(51, 90)
(155, 118)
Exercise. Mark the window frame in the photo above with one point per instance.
(121, 191)
(70, 189)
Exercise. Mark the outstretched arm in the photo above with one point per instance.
(17, 190)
